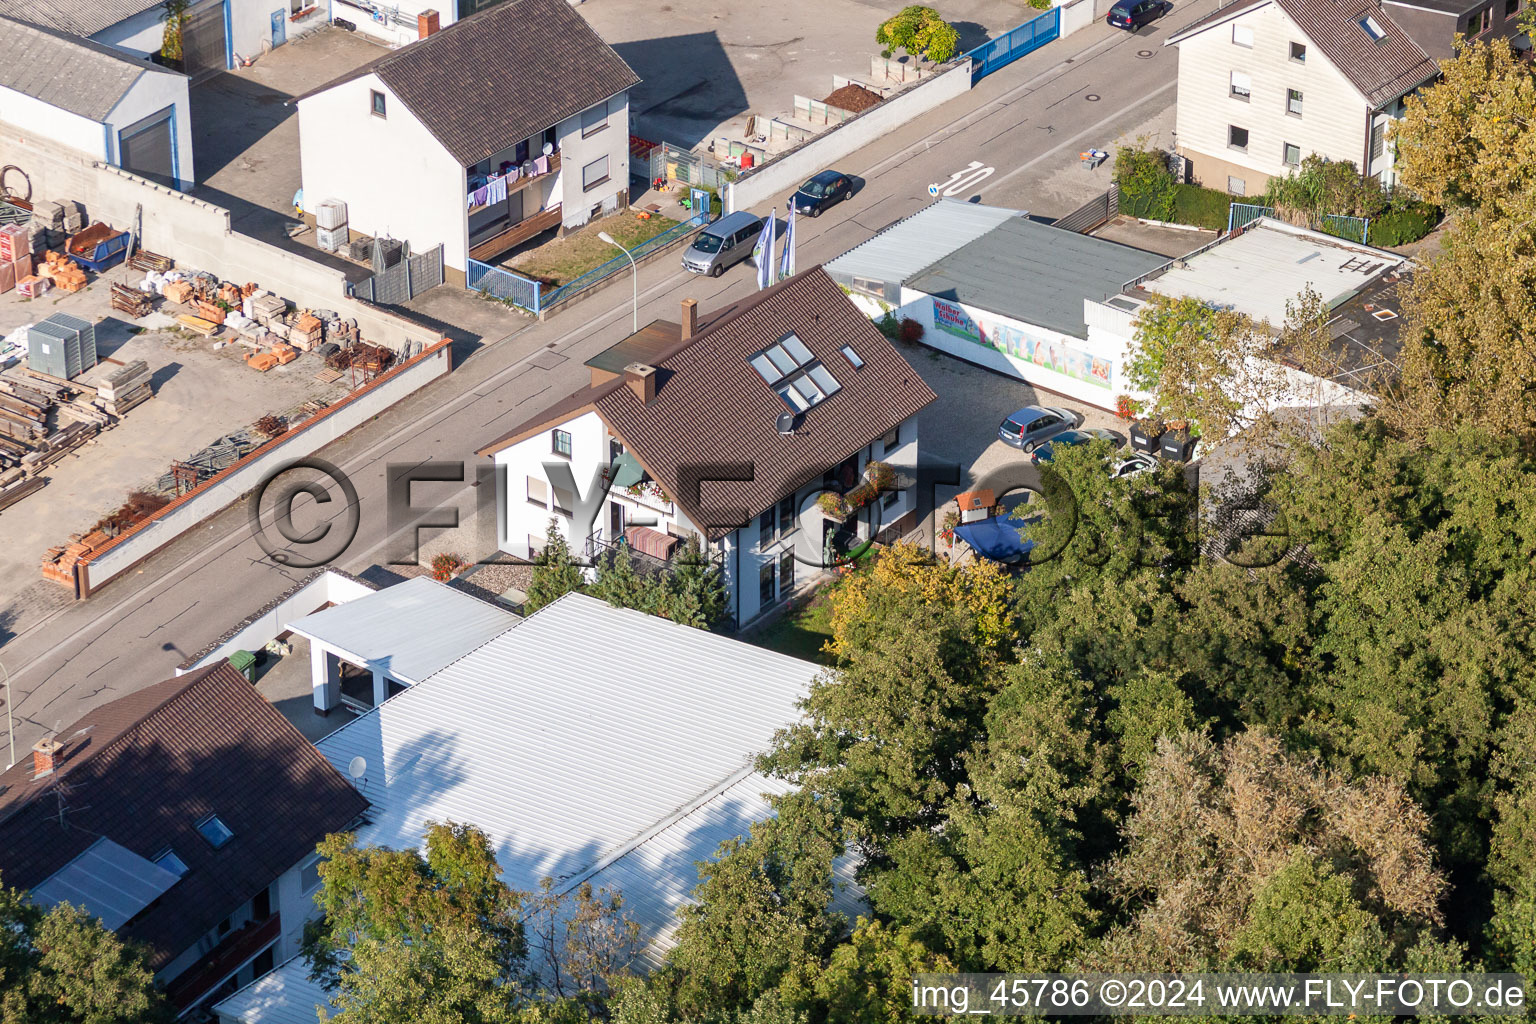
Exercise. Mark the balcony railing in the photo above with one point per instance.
(516, 234)
(522, 181)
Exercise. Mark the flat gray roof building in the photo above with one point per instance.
(1035, 273)
(883, 262)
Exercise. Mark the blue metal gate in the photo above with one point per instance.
(998, 53)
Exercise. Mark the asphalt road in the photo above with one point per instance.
(1006, 140)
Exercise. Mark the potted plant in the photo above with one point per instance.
(1177, 443)
(947, 529)
(834, 506)
(1146, 433)
(880, 475)
(1127, 407)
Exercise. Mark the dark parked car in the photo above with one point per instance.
(1033, 425)
(1132, 14)
(826, 189)
(1046, 452)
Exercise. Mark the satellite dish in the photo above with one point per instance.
(358, 766)
(548, 148)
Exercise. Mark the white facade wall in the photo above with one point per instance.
(576, 152)
(1333, 119)
(1012, 354)
(60, 126)
(152, 93)
(524, 522)
(141, 35)
(395, 177)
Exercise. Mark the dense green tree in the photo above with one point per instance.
(434, 937)
(868, 979)
(921, 31)
(61, 966)
(694, 592)
(617, 582)
(760, 917)
(555, 572)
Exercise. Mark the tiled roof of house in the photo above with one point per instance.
(490, 81)
(78, 75)
(145, 769)
(76, 17)
(1381, 69)
(712, 411)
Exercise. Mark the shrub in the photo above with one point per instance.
(888, 326)
(1401, 226)
(1321, 186)
(911, 330)
(1147, 185)
(921, 32)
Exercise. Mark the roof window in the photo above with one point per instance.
(215, 831)
(1372, 28)
(793, 372)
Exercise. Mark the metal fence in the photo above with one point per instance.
(1351, 229)
(998, 53)
(555, 296)
(688, 168)
(1097, 211)
(500, 283)
(408, 277)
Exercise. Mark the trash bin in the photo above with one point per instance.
(244, 662)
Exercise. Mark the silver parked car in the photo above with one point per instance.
(722, 244)
(1033, 425)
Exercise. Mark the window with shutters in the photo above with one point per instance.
(1242, 85)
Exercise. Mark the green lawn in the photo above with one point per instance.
(801, 633)
(566, 259)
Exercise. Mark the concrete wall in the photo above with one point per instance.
(1012, 347)
(153, 92)
(577, 204)
(326, 588)
(220, 491)
(789, 169)
(408, 187)
(1075, 16)
(32, 118)
(1333, 119)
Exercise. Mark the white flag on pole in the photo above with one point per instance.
(787, 264)
(765, 256)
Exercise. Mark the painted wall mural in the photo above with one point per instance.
(1047, 352)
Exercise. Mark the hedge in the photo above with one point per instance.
(1399, 227)
(1193, 205)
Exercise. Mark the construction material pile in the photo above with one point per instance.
(15, 256)
(131, 301)
(125, 388)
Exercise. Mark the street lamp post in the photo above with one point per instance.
(10, 722)
(634, 274)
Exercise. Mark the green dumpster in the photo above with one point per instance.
(244, 662)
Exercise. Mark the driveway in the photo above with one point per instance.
(247, 145)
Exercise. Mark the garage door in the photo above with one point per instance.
(202, 40)
(144, 148)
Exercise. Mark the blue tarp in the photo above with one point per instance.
(997, 539)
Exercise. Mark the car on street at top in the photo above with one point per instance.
(823, 190)
(1030, 427)
(1132, 14)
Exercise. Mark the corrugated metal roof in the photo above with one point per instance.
(106, 880)
(75, 17)
(73, 74)
(1271, 263)
(919, 241)
(409, 630)
(1035, 273)
(590, 743)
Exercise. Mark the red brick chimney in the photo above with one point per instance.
(426, 23)
(45, 756)
(690, 318)
(642, 381)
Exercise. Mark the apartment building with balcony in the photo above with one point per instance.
(479, 137)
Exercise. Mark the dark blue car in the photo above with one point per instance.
(826, 189)
(1045, 454)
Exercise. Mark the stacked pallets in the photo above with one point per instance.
(125, 388)
(150, 262)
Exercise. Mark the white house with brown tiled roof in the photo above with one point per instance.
(726, 428)
(478, 137)
(1263, 84)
